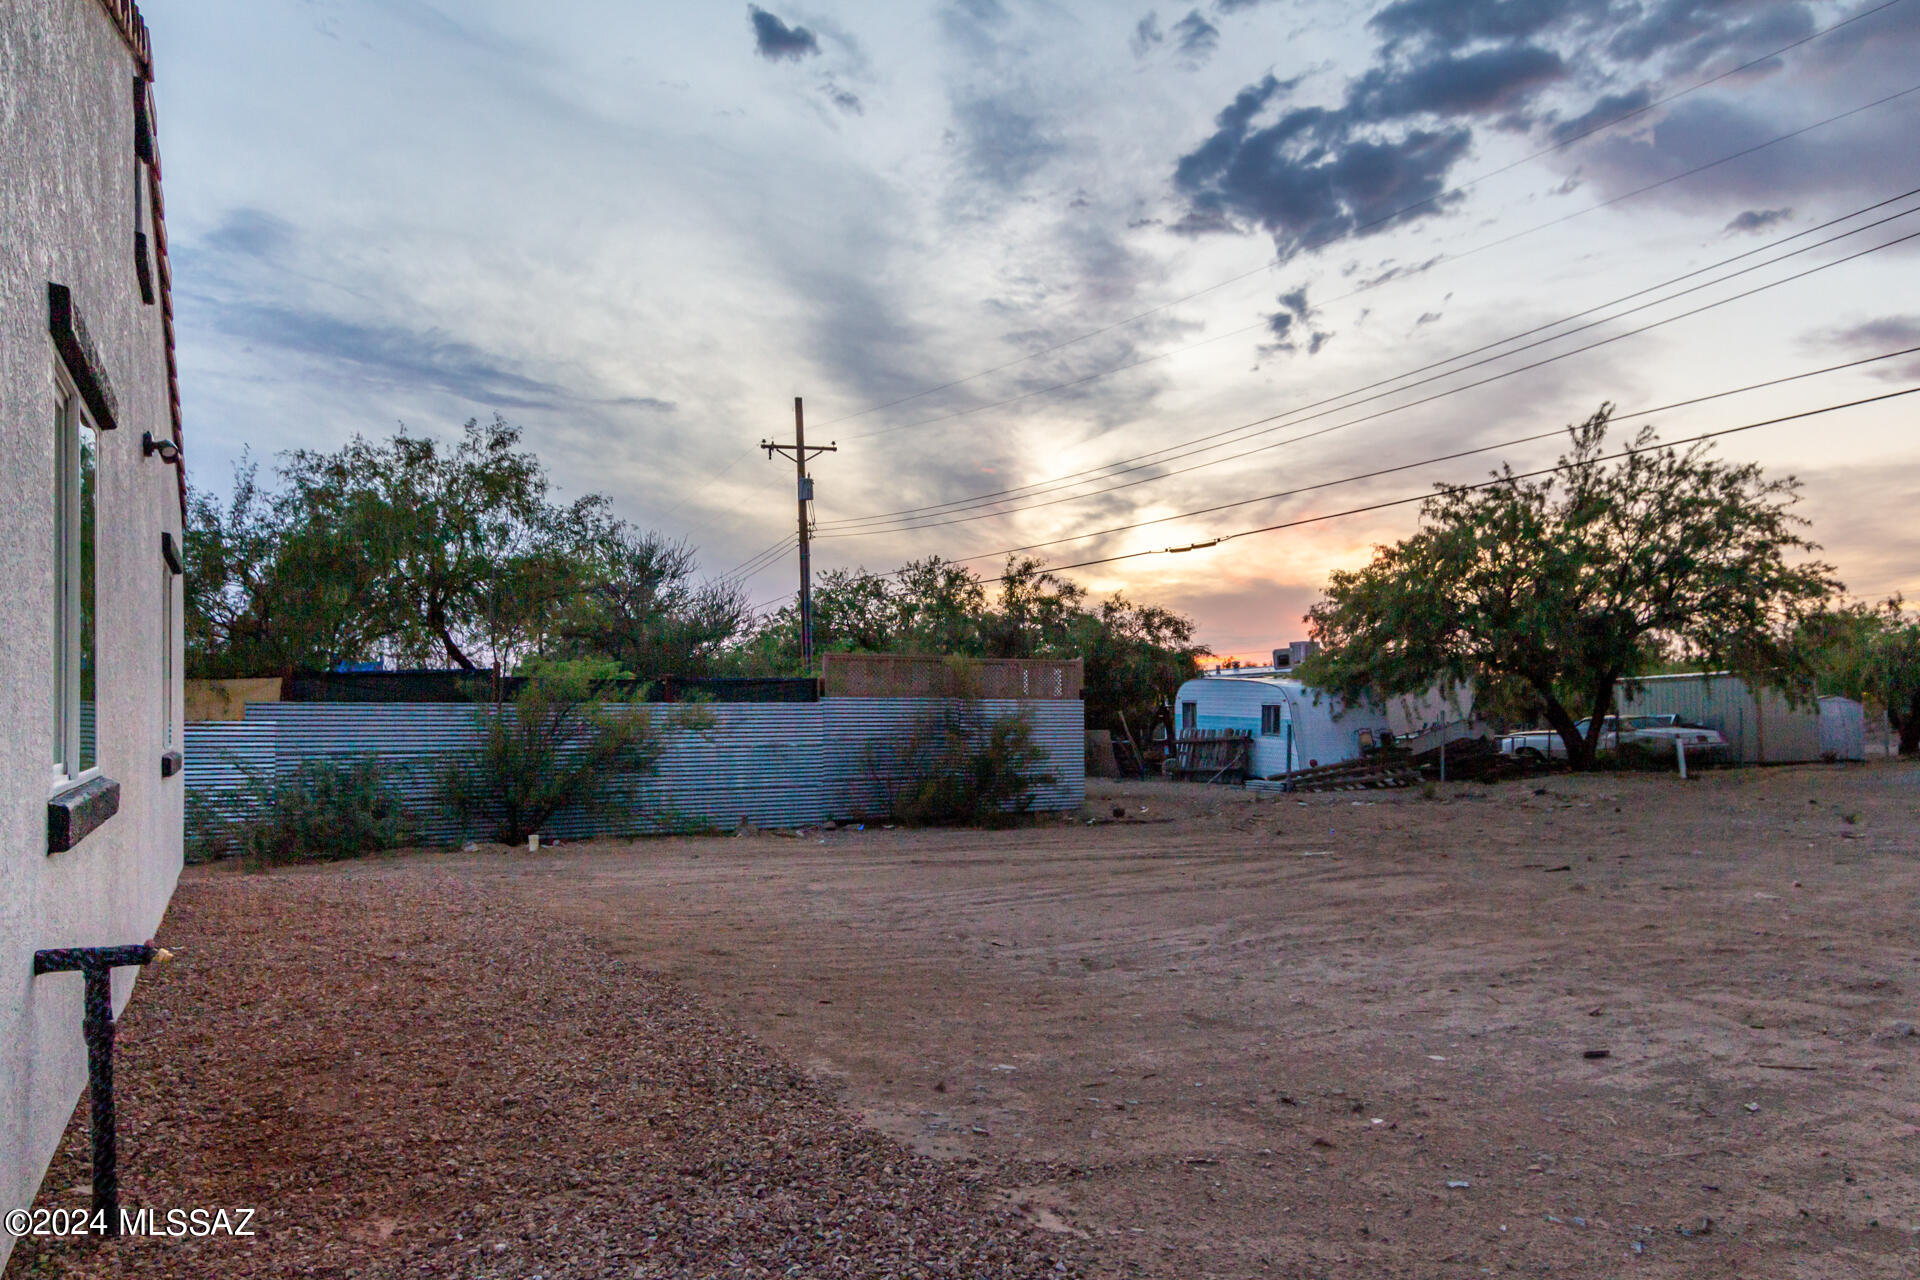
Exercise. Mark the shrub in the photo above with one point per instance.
(569, 738)
(960, 767)
(324, 810)
(212, 829)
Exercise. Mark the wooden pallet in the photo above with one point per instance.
(1213, 755)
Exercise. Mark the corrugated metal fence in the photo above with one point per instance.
(773, 764)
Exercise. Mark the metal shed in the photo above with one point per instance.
(1293, 726)
(1761, 726)
(1843, 729)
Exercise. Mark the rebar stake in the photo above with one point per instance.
(97, 964)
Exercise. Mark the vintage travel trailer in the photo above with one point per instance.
(1293, 726)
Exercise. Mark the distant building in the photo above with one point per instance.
(91, 510)
(1761, 725)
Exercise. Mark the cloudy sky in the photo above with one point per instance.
(1044, 268)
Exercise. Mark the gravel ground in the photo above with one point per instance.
(408, 1076)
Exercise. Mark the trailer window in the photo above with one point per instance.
(1189, 716)
(1272, 718)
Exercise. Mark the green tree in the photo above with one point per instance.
(1870, 653)
(436, 555)
(1136, 658)
(1564, 585)
(471, 557)
(269, 592)
(637, 603)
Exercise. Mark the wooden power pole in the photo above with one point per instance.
(799, 452)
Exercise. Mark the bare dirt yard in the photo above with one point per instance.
(1596, 1027)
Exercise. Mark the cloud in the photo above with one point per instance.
(1605, 110)
(1383, 153)
(845, 99)
(1313, 175)
(1195, 37)
(1691, 32)
(253, 233)
(1876, 337)
(395, 357)
(1146, 34)
(1005, 145)
(774, 39)
(1292, 324)
(1757, 220)
(1488, 81)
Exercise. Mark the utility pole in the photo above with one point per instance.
(799, 452)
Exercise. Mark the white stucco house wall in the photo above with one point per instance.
(91, 505)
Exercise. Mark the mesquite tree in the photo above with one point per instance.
(1563, 585)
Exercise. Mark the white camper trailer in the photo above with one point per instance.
(1292, 726)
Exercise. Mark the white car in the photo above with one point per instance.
(1656, 733)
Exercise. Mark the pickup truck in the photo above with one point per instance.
(1656, 733)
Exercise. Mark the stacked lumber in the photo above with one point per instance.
(1374, 773)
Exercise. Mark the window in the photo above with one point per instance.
(1272, 719)
(75, 656)
(1189, 716)
(168, 630)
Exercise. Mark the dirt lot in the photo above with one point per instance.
(1347, 1035)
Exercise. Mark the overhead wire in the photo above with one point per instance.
(1445, 457)
(1401, 211)
(755, 562)
(1231, 434)
(1493, 244)
(1392, 409)
(1504, 479)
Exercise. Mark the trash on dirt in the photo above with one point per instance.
(1436, 1057)
(1564, 867)
(1458, 1185)
(1753, 1106)
(471, 846)
(1596, 1054)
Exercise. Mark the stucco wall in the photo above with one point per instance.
(67, 200)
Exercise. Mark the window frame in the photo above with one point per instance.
(70, 415)
(169, 630)
(1282, 715)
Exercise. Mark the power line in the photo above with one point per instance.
(1492, 244)
(761, 558)
(1446, 457)
(1524, 475)
(1402, 211)
(1226, 435)
(1392, 409)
